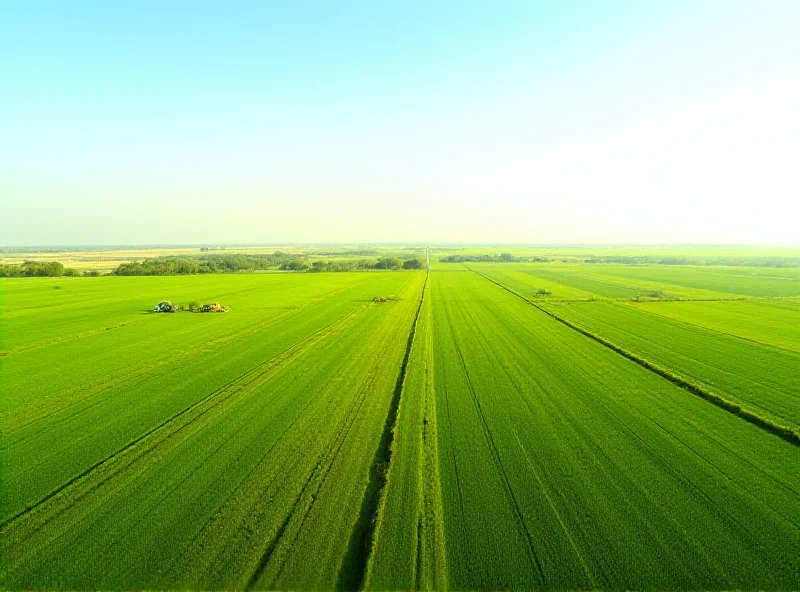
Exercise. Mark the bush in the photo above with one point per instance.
(415, 263)
(33, 269)
(388, 263)
(382, 299)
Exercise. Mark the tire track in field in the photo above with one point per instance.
(58, 341)
(533, 556)
(512, 343)
(784, 432)
(726, 516)
(258, 465)
(219, 447)
(231, 388)
(145, 367)
(215, 343)
(702, 458)
(455, 467)
(302, 348)
(148, 366)
(249, 476)
(143, 318)
(558, 514)
(605, 573)
(328, 462)
(354, 567)
(634, 485)
(263, 561)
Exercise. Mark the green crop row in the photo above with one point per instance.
(765, 322)
(231, 469)
(776, 427)
(643, 282)
(725, 367)
(565, 465)
(408, 550)
(324, 435)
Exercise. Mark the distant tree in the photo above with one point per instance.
(388, 263)
(295, 265)
(415, 263)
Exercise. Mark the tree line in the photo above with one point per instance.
(732, 261)
(492, 258)
(37, 269)
(242, 263)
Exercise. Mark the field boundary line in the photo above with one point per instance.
(533, 556)
(782, 431)
(695, 326)
(329, 459)
(356, 565)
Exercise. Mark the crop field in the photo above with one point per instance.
(586, 282)
(564, 465)
(750, 372)
(195, 450)
(476, 426)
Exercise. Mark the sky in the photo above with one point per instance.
(566, 121)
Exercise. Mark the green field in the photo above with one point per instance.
(478, 426)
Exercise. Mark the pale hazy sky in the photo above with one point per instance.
(563, 121)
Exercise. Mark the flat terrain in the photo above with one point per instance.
(192, 450)
(480, 426)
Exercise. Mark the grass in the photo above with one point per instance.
(254, 436)
(628, 282)
(565, 465)
(756, 376)
(402, 430)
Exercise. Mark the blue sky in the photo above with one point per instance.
(194, 122)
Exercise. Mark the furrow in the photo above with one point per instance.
(230, 388)
(361, 544)
(782, 431)
(534, 557)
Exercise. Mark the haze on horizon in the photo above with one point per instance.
(509, 121)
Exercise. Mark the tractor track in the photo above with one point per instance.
(254, 373)
(356, 563)
(532, 555)
(767, 425)
(149, 366)
(228, 439)
(334, 449)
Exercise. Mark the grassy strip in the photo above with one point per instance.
(362, 541)
(408, 550)
(779, 430)
(431, 566)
